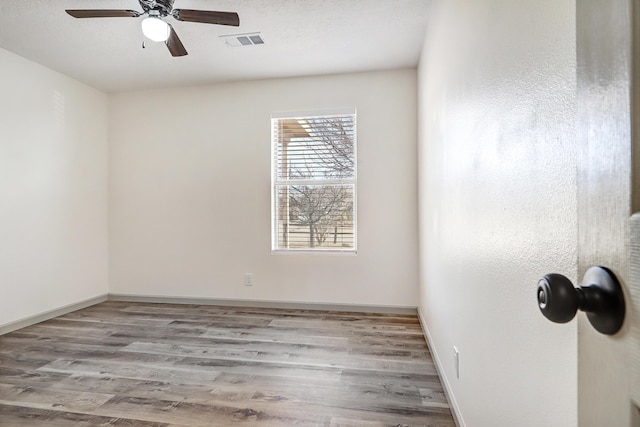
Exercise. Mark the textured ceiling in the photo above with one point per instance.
(302, 37)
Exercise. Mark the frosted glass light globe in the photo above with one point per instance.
(155, 29)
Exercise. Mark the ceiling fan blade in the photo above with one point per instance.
(207, 17)
(174, 44)
(102, 13)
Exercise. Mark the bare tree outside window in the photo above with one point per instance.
(314, 188)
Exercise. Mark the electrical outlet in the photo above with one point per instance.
(456, 361)
(248, 279)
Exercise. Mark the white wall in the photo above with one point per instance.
(498, 205)
(53, 190)
(189, 188)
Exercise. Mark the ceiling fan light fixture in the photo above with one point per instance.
(155, 29)
(153, 25)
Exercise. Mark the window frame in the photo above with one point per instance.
(276, 183)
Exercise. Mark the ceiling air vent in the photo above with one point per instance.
(246, 39)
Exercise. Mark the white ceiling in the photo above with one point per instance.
(302, 37)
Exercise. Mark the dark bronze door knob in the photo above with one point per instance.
(600, 296)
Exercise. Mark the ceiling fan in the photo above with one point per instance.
(153, 25)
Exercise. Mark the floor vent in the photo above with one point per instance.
(247, 39)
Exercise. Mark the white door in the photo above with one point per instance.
(608, 366)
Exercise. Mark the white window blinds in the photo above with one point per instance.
(314, 182)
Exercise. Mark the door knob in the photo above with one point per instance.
(600, 296)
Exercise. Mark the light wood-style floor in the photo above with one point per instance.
(139, 364)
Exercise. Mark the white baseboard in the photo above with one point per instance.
(50, 314)
(291, 305)
(453, 404)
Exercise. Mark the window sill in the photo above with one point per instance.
(350, 252)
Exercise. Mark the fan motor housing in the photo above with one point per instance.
(162, 6)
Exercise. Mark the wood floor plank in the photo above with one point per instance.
(205, 311)
(27, 378)
(141, 364)
(194, 414)
(280, 369)
(156, 372)
(44, 398)
(18, 416)
(298, 355)
(287, 333)
(346, 325)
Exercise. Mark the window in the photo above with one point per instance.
(314, 181)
